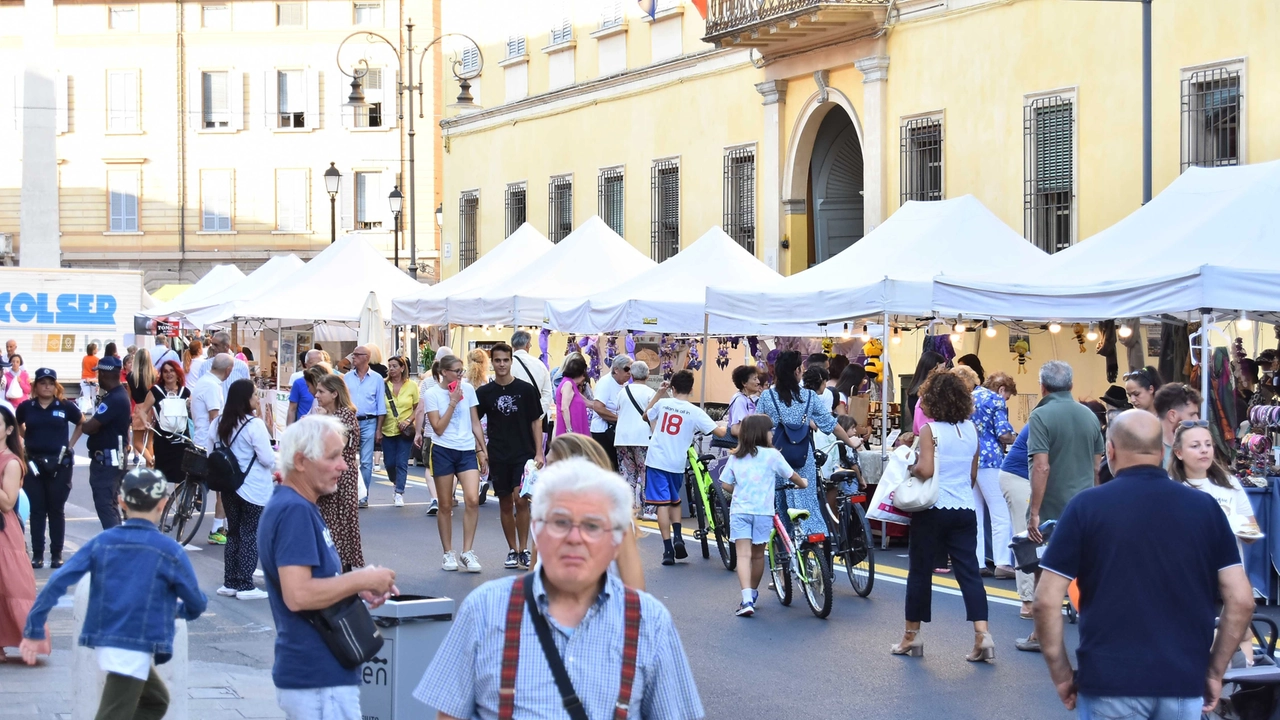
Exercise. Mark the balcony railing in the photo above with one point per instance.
(727, 16)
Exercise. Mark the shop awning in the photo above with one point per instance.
(592, 258)
(671, 297)
(226, 304)
(892, 269)
(1208, 241)
(428, 305)
(219, 278)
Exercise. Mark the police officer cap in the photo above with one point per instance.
(110, 363)
(144, 486)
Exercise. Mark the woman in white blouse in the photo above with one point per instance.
(246, 435)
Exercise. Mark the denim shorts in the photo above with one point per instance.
(662, 487)
(1146, 708)
(447, 461)
(326, 703)
(753, 527)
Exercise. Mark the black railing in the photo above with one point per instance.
(726, 15)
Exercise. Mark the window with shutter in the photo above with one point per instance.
(368, 195)
(562, 32)
(560, 208)
(215, 17)
(740, 197)
(611, 14)
(215, 201)
(1211, 117)
(291, 98)
(514, 206)
(1049, 151)
(470, 60)
(368, 14)
(123, 18)
(921, 171)
(122, 101)
(515, 46)
(291, 200)
(290, 14)
(468, 235)
(612, 200)
(215, 110)
(122, 188)
(665, 211)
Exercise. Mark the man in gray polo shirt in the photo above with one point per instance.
(1064, 448)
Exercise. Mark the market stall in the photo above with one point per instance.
(226, 304)
(218, 279)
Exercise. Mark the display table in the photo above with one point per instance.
(1260, 557)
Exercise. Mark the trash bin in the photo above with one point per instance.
(413, 627)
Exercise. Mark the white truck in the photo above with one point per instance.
(53, 314)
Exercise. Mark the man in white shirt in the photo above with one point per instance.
(674, 420)
(604, 409)
(207, 401)
(219, 344)
(162, 353)
(531, 370)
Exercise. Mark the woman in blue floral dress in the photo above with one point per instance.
(788, 403)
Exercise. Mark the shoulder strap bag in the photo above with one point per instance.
(522, 598)
(916, 494)
(548, 425)
(347, 629)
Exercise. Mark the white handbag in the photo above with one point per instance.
(915, 494)
(14, 389)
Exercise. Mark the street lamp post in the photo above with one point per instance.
(356, 101)
(332, 180)
(396, 198)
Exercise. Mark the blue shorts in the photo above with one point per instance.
(662, 487)
(755, 528)
(447, 461)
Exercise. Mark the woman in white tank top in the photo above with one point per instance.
(949, 454)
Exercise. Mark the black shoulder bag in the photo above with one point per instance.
(347, 629)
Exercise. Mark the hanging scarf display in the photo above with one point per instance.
(544, 339)
(694, 362)
(1135, 353)
(667, 356)
(722, 354)
(1107, 348)
(610, 350)
(631, 345)
(591, 351)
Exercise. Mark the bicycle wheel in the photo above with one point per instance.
(170, 511)
(859, 559)
(815, 574)
(190, 511)
(780, 570)
(720, 517)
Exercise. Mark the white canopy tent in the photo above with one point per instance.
(428, 305)
(226, 304)
(592, 258)
(1207, 242)
(891, 270)
(333, 287)
(671, 297)
(218, 279)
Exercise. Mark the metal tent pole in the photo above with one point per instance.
(702, 383)
(1205, 358)
(884, 390)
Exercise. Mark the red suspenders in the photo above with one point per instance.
(511, 652)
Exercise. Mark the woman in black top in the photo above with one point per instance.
(169, 420)
(50, 426)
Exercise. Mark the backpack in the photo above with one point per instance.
(793, 440)
(171, 414)
(225, 475)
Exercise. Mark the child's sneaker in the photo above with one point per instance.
(513, 560)
(746, 609)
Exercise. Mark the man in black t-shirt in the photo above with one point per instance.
(107, 430)
(514, 410)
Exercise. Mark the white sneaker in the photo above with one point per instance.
(258, 573)
(450, 562)
(470, 562)
(254, 594)
(225, 591)
(399, 499)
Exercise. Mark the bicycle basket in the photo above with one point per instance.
(195, 461)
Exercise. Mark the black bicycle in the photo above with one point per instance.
(850, 531)
(184, 512)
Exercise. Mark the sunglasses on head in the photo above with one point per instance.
(1138, 375)
(1194, 424)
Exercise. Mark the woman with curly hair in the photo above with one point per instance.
(949, 455)
(478, 367)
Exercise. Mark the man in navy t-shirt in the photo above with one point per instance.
(1149, 555)
(304, 573)
(107, 430)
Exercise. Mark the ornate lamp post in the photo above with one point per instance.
(332, 180)
(396, 198)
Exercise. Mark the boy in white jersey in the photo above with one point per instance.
(674, 420)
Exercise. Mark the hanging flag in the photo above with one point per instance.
(649, 7)
(701, 6)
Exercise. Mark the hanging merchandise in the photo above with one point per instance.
(694, 362)
(544, 338)
(591, 351)
(940, 344)
(828, 346)
(1022, 351)
(874, 366)
(1222, 403)
(1135, 352)
(722, 354)
(667, 355)
(631, 345)
(1078, 330)
(610, 350)
(1107, 348)
(1175, 352)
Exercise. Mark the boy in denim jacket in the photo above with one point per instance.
(141, 580)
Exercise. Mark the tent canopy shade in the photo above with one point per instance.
(428, 305)
(890, 270)
(224, 305)
(1206, 242)
(219, 278)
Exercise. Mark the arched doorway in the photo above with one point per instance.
(835, 186)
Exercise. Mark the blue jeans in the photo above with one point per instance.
(367, 430)
(327, 703)
(1138, 708)
(105, 483)
(395, 456)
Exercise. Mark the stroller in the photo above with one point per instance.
(1253, 693)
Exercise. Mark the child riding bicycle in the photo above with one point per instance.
(752, 475)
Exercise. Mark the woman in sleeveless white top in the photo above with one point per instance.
(948, 454)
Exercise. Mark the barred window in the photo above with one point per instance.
(612, 202)
(560, 208)
(921, 142)
(514, 204)
(515, 46)
(665, 197)
(740, 197)
(467, 241)
(1211, 118)
(1049, 144)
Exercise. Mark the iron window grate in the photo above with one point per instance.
(468, 244)
(514, 205)
(664, 236)
(1048, 199)
(612, 201)
(921, 143)
(1211, 118)
(740, 197)
(559, 208)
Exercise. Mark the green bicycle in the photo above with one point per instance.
(804, 557)
(709, 506)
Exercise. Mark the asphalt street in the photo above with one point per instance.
(782, 663)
